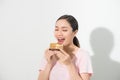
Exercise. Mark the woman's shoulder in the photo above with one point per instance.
(82, 52)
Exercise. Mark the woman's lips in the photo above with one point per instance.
(60, 41)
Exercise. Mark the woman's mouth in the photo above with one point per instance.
(61, 40)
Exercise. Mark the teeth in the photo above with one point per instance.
(61, 39)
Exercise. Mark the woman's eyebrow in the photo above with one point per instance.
(64, 27)
(56, 26)
(61, 27)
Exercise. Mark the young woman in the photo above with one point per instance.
(69, 63)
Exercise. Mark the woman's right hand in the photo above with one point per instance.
(50, 57)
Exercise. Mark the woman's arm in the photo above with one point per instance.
(44, 74)
(65, 59)
(75, 75)
(51, 61)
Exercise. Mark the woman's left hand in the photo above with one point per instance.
(64, 57)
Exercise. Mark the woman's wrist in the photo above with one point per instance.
(70, 66)
(49, 65)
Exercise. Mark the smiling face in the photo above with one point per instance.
(63, 32)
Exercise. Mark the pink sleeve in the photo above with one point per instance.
(42, 64)
(84, 63)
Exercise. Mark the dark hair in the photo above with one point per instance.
(74, 24)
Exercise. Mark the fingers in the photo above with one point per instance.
(63, 52)
(63, 57)
(49, 53)
(59, 54)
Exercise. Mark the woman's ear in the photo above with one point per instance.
(75, 32)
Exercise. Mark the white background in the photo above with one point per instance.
(26, 29)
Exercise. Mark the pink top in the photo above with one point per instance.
(60, 72)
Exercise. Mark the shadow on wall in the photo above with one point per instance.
(102, 43)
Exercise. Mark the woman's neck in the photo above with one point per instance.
(70, 48)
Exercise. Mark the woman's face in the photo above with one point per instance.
(63, 32)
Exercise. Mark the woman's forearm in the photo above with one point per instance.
(44, 75)
(74, 75)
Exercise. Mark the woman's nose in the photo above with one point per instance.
(59, 33)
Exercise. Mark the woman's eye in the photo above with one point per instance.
(64, 30)
(56, 29)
